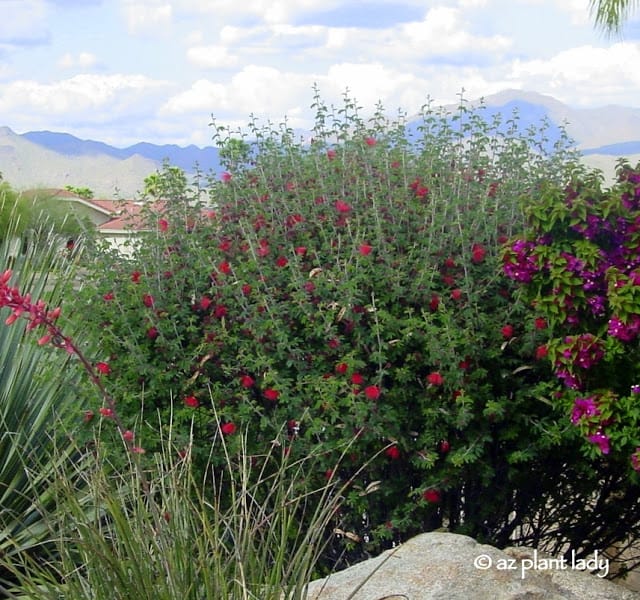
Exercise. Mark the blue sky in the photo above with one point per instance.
(124, 71)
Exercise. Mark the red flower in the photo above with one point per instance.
(331, 154)
(341, 368)
(271, 394)
(435, 379)
(225, 245)
(103, 368)
(224, 267)
(456, 294)
(225, 177)
(478, 253)
(128, 436)
(281, 261)
(365, 249)
(357, 379)
(342, 206)
(421, 191)
(152, 333)
(135, 276)
(393, 452)
(507, 332)
(370, 141)
(333, 343)
(541, 352)
(88, 415)
(247, 381)
(147, 300)
(434, 303)
(228, 428)
(444, 446)
(301, 250)
(540, 323)
(220, 311)
(205, 302)
(108, 296)
(106, 412)
(449, 263)
(191, 402)
(432, 496)
(163, 224)
(372, 392)
(246, 289)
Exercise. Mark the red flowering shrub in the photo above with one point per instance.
(349, 291)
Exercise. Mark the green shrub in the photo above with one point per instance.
(351, 286)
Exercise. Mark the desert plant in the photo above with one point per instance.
(174, 536)
(32, 400)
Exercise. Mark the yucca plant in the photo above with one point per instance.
(32, 397)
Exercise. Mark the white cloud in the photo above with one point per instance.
(82, 60)
(147, 15)
(211, 57)
(575, 74)
(91, 96)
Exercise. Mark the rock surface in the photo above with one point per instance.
(447, 566)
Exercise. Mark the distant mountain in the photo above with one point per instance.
(51, 159)
(25, 164)
(184, 157)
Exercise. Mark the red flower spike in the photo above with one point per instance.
(247, 381)
(128, 436)
(365, 249)
(541, 352)
(281, 261)
(432, 496)
(228, 428)
(435, 379)
(372, 392)
(540, 323)
(357, 379)
(103, 368)
(224, 267)
(341, 368)
(106, 412)
(271, 394)
(135, 276)
(393, 452)
(148, 300)
(478, 253)
(456, 294)
(191, 402)
(342, 206)
(507, 332)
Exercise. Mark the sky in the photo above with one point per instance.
(159, 71)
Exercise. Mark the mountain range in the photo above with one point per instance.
(57, 159)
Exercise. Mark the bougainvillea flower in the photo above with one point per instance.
(601, 440)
